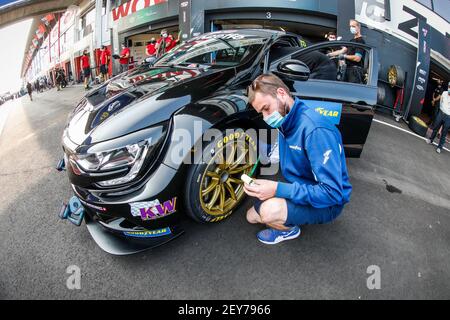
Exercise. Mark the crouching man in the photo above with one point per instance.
(312, 162)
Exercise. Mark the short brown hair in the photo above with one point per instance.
(357, 22)
(267, 84)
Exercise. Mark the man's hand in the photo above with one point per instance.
(261, 189)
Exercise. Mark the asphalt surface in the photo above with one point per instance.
(407, 234)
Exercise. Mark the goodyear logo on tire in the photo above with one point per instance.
(330, 110)
(235, 136)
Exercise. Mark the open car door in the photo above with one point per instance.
(348, 105)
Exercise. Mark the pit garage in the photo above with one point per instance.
(310, 27)
(136, 39)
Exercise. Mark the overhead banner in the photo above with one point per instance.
(138, 12)
(422, 71)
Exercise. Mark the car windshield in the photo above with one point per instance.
(214, 50)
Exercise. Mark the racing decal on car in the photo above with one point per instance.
(330, 110)
(150, 210)
(234, 136)
(92, 206)
(149, 233)
(222, 35)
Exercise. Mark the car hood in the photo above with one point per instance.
(139, 99)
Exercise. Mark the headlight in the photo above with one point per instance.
(140, 153)
(113, 159)
(109, 158)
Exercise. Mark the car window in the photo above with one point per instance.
(324, 66)
(282, 48)
(214, 50)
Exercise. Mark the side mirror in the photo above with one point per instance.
(294, 69)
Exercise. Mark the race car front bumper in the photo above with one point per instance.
(129, 241)
(116, 236)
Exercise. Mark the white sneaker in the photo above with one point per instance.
(438, 150)
(428, 141)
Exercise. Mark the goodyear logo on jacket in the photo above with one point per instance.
(330, 110)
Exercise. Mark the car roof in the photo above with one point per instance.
(265, 33)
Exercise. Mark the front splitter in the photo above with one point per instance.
(119, 246)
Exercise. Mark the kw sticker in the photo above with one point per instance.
(150, 210)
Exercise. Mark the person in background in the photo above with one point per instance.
(437, 93)
(331, 36)
(354, 57)
(42, 84)
(37, 86)
(436, 98)
(85, 65)
(104, 62)
(150, 50)
(30, 90)
(442, 119)
(319, 64)
(340, 64)
(58, 78)
(124, 58)
(165, 43)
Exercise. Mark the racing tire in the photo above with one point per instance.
(418, 126)
(213, 187)
(381, 93)
(396, 76)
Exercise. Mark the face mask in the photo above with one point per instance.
(275, 119)
(164, 35)
(353, 30)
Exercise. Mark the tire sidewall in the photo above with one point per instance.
(417, 127)
(196, 171)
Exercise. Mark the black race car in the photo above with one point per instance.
(139, 151)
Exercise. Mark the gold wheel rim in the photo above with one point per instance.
(392, 76)
(221, 188)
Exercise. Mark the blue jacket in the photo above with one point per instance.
(312, 160)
